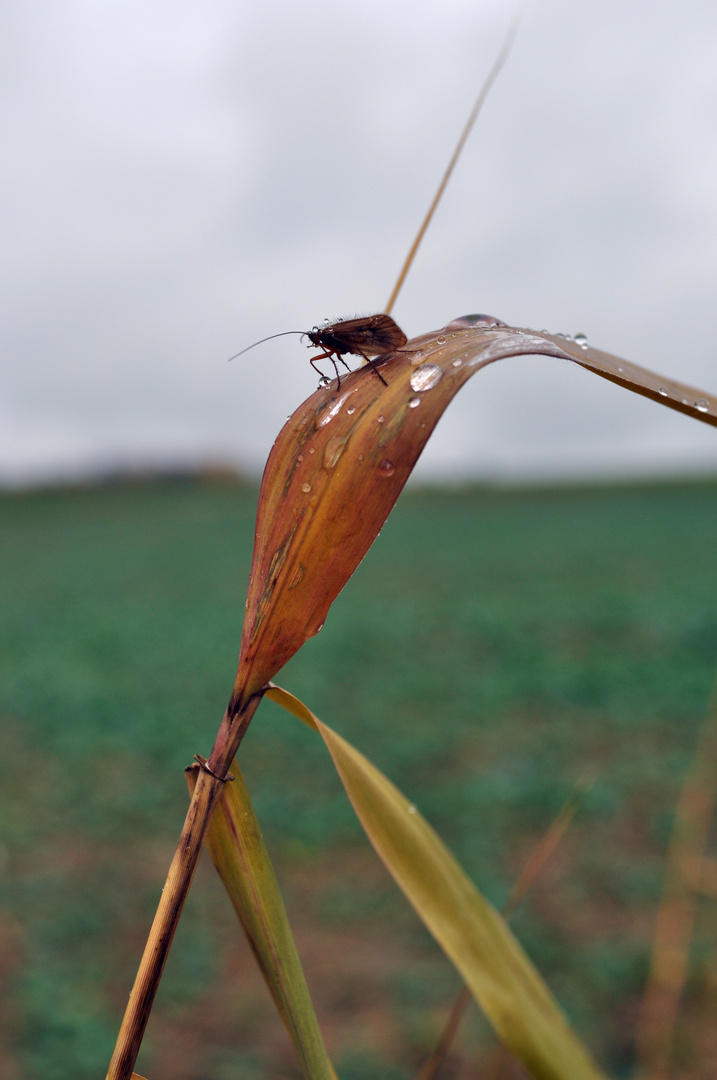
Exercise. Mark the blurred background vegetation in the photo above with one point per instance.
(493, 647)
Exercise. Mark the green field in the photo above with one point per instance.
(492, 647)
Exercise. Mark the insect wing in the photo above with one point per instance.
(387, 336)
(365, 337)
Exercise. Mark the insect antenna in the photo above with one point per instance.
(261, 340)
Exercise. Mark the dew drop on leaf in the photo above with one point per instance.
(426, 377)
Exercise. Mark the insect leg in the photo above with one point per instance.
(325, 356)
(375, 369)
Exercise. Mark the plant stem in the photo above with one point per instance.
(492, 76)
(207, 793)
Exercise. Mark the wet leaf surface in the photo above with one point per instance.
(342, 459)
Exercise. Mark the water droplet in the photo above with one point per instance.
(464, 322)
(685, 401)
(664, 392)
(702, 405)
(360, 457)
(300, 457)
(387, 468)
(324, 381)
(456, 363)
(411, 809)
(351, 410)
(581, 340)
(418, 356)
(306, 488)
(329, 413)
(441, 340)
(414, 402)
(380, 419)
(312, 449)
(319, 628)
(426, 377)
(619, 369)
(298, 576)
(334, 449)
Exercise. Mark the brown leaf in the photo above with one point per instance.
(340, 462)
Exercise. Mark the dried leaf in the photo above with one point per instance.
(340, 462)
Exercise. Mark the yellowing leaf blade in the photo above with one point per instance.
(471, 932)
(237, 849)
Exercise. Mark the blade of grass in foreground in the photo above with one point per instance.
(533, 867)
(470, 931)
(237, 849)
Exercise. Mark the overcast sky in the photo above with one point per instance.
(181, 178)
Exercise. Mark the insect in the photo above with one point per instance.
(367, 336)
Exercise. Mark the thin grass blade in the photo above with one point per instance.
(470, 931)
(237, 849)
(533, 867)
